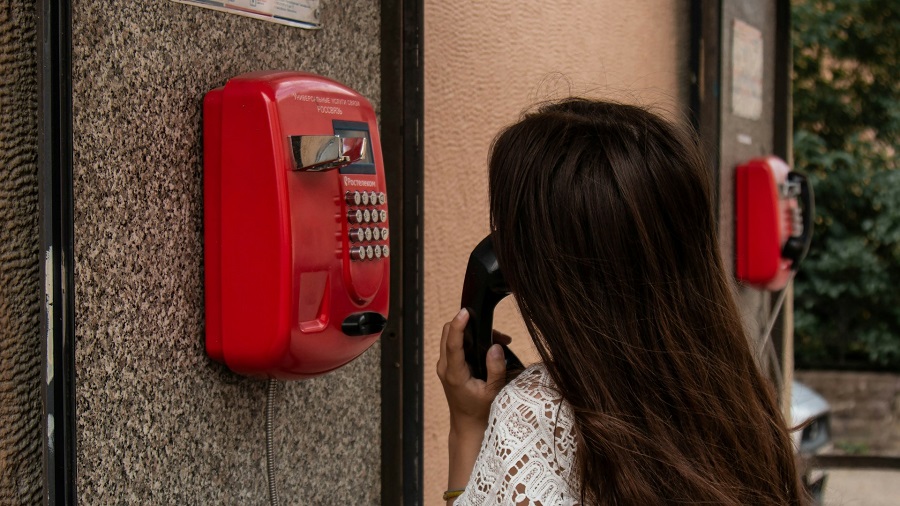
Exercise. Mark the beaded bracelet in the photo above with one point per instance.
(450, 494)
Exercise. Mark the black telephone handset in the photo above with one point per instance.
(483, 288)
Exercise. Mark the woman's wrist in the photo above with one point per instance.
(467, 427)
(463, 447)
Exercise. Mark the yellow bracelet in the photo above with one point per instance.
(450, 494)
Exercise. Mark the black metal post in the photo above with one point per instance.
(402, 103)
(57, 245)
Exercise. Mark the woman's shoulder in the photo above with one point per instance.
(533, 388)
(534, 379)
(528, 452)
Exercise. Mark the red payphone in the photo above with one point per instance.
(296, 225)
(773, 211)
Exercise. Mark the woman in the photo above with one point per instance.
(647, 393)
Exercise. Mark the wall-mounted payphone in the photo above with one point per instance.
(296, 225)
(774, 212)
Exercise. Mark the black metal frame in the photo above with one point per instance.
(782, 141)
(784, 62)
(706, 81)
(57, 247)
(402, 104)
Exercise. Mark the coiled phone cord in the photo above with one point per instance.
(270, 440)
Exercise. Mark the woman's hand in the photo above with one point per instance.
(469, 398)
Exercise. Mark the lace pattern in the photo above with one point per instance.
(528, 452)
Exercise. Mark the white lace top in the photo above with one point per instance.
(528, 453)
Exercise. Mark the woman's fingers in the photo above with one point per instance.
(496, 369)
(457, 370)
(442, 358)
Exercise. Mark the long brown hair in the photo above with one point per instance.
(602, 219)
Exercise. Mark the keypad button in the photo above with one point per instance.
(384, 234)
(375, 216)
(376, 233)
(382, 198)
(373, 198)
(357, 234)
(368, 234)
(353, 198)
(370, 252)
(385, 251)
(365, 198)
(367, 216)
(377, 251)
(355, 216)
(358, 253)
(383, 215)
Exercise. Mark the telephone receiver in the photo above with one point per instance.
(483, 288)
(796, 247)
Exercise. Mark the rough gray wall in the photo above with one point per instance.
(20, 341)
(158, 422)
(761, 15)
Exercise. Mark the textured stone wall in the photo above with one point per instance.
(158, 422)
(20, 291)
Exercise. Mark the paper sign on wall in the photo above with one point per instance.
(746, 71)
(298, 13)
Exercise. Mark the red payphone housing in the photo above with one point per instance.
(773, 231)
(295, 225)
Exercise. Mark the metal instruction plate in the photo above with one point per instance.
(298, 13)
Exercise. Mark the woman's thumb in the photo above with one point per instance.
(496, 368)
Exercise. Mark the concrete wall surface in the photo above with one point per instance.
(485, 63)
(20, 288)
(158, 422)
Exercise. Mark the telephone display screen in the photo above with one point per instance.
(364, 165)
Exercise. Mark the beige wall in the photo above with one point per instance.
(485, 62)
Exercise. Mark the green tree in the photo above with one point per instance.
(846, 93)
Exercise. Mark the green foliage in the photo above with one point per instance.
(847, 138)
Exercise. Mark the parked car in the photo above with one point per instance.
(812, 412)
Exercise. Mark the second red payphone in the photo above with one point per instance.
(773, 213)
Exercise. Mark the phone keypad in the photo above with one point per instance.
(368, 218)
(353, 198)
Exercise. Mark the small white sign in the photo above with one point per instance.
(746, 71)
(298, 13)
